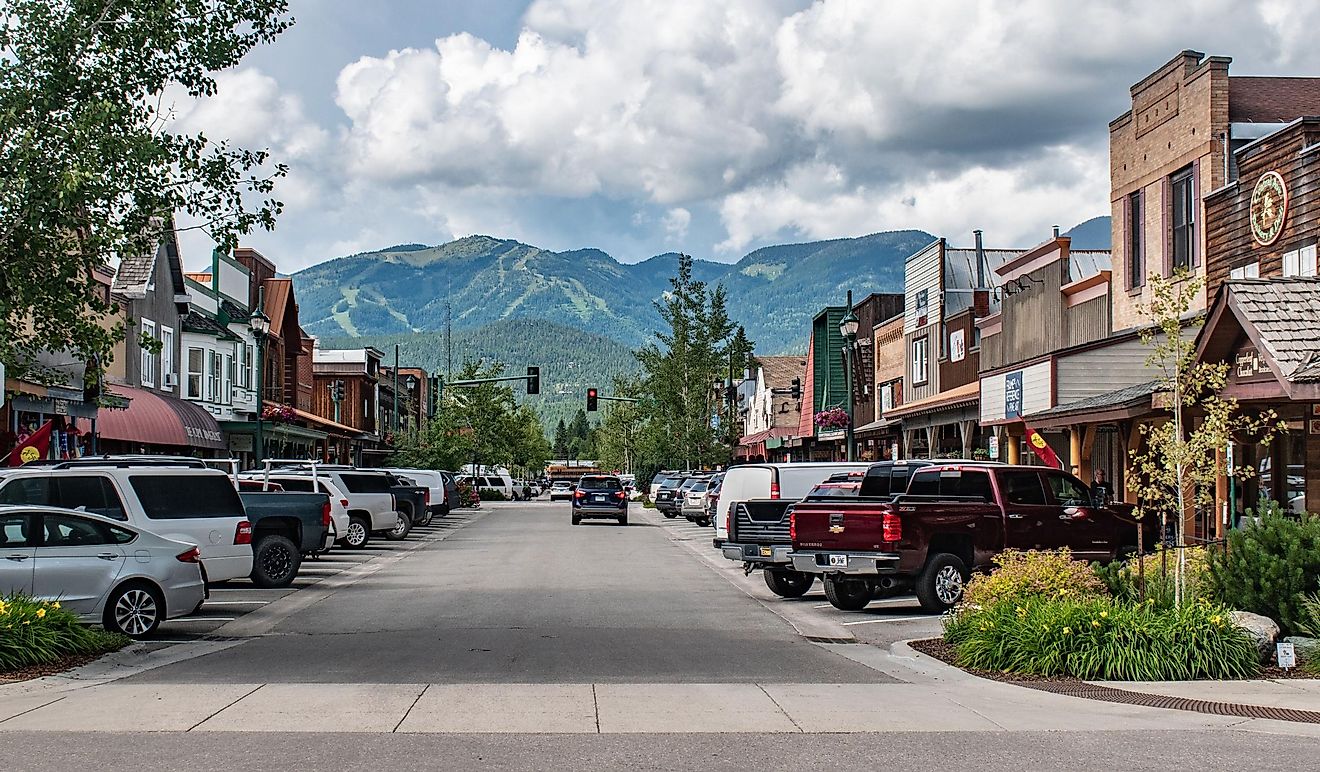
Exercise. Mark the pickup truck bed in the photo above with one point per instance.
(285, 526)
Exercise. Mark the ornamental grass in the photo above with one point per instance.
(35, 632)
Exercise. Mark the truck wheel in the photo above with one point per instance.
(847, 594)
(671, 515)
(402, 525)
(704, 522)
(787, 583)
(358, 533)
(275, 562)
(940, 585)
(577, 520)
(623, 520)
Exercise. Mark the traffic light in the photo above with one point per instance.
(591, 400)
(796, 389)
(533, 380)
(339, 391)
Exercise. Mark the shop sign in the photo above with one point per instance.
(1013, 395)
(1249, 365)
(992, 446)
(958, 345)
(1269, 208)
(1315, 425)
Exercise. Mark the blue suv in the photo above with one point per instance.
(600, 497)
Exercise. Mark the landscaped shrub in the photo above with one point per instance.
(34, 632)
(1022, 575)
(1269, 565)
(1100, 638)
(1123, 578)
(488, 494)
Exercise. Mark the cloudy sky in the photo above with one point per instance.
(712, 127)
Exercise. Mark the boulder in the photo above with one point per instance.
(1263, 630)
(1308, 649)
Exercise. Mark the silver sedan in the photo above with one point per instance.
(106, 571)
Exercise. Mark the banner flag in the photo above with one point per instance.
(1042, 448)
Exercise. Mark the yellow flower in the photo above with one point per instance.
(41, 613)
(56, 604)
(1095, 623)
(1104, 614)
(1067, 631)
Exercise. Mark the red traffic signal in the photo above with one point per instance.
(591, 400)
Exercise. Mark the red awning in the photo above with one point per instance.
(155, 419)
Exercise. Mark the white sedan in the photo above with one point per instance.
(103, 570)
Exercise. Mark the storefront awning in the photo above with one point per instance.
(156, 419)
(957, 397)
(881, 426)
(324, 423)
(1128, 402)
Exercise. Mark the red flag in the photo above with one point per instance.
(1042, 448)
(34, 447)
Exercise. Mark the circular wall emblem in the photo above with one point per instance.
(29, 454)
(1269, 208)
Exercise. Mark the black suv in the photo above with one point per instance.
(600, 497)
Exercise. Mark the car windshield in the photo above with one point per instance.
(698, 488)
(601, 484)
(672, 482)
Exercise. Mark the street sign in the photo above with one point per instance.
(1287, 655)
(993, 446)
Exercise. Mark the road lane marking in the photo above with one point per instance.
(886, 619)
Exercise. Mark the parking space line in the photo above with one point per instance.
(887, 619)
(236, 602)
(201, 619)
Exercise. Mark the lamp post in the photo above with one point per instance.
(409, 384)
(260, 326)
(848, 328)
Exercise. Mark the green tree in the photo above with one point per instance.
(1175, 471)
(93, 168)
(561, 440)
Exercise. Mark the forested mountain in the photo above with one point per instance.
(570, 360)
(407, 289)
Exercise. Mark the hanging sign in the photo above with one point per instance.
(1269, 208)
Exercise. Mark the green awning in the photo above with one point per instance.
(272, 429)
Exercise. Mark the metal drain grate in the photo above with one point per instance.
(1110, 694)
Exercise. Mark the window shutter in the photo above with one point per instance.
(1166, 226)
(1308, 261)
(1291, 263)
(1128, 260)
(1197, 211)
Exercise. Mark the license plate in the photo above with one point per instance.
(766, 552)
(598, 499)
(839, 560)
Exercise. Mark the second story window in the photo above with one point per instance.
(1184, 219)
(1136, 240)
(920, 360)
(196, 363)
(148, 354)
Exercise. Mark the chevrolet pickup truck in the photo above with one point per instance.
(758, 533)
(953, 519)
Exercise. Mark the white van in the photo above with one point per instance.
(773, 481)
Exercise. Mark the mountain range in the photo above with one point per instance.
(517, 303)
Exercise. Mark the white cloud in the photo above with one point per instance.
(726, 125)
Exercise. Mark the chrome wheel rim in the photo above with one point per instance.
(135, 612)
(401, 525)
(948, 585)
(357, 534)
(276, 561)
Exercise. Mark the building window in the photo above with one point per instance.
(213, 365)
(1136, 241)
(1248, 271)
(251, 367)
(148, 355)
(167, 370)
(227, 382)
(196, 363)
(1300, 262)
(920, 360)
(1184, 220)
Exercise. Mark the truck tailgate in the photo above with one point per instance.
(848, 525)
(760, 521)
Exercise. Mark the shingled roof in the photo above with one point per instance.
(780, 371)
(1286, 316)
(134, 274)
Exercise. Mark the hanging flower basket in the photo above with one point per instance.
(278, 414)
(835, 418)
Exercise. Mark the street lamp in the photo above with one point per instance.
(259, 323)
(848, 329)
(409, 384)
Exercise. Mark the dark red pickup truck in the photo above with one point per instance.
(953, 520)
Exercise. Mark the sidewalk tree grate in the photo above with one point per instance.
(1109, 694)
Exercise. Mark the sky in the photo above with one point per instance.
(713, 128)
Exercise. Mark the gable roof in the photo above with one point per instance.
(134, 274)
(1286, 316)
(1271, 99)
(279, 294)
(779, 372)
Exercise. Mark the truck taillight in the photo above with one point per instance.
(892, 528)
(774, 490)
(428, 497)
(792, 527)
(325, 513)
(243, 533)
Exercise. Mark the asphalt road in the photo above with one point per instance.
(522, 596)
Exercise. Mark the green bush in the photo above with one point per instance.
(1269, 565)
(1309, 626)
(34, 632)
(1022, 575)
(1123, 577)
(1099, 638)
(487, 494)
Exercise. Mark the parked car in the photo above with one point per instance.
(953, 519)
(600, 497)
(104, 570)
(497, 480)
(439, 502)
(693, 507)
(666, 499)
(340, 522)
(286, 525)
(782, 482)
(657, 481)
(561, 489)
(182, 503)
(712, 500)
(373, 496)
(757, 532)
